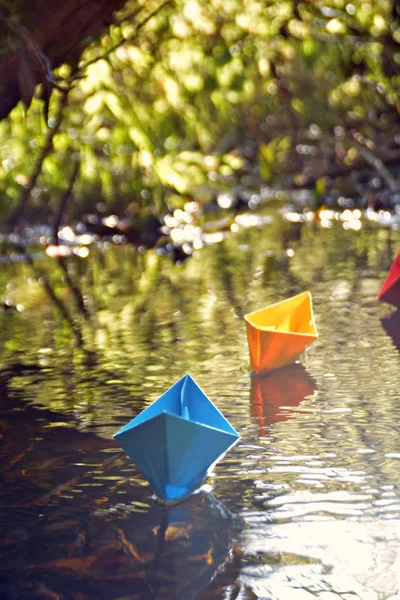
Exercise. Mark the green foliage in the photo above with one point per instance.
(168, 106)
(272, 155)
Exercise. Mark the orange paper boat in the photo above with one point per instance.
(278, 334)
(274, 393)
(390, 290)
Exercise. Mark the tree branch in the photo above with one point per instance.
(18, 213)
(64, 201)
(377, 164)
(138, 27)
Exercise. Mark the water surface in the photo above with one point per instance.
(306, 504)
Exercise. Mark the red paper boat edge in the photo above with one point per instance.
(390, 290)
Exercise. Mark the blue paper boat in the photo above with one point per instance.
(176, 439)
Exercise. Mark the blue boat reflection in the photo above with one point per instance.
(179, 549)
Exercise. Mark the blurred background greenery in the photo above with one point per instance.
(180, 99)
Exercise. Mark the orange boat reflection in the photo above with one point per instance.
(285, 387)
(279, 333)
(390, 290)
(391, 324)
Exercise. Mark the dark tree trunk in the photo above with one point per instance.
(60, 28)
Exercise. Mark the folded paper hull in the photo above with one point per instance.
(273, 349)
(278, 334)
(173, 453)
(390, 290)
(177, 439)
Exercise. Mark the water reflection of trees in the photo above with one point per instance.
(151, 321)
